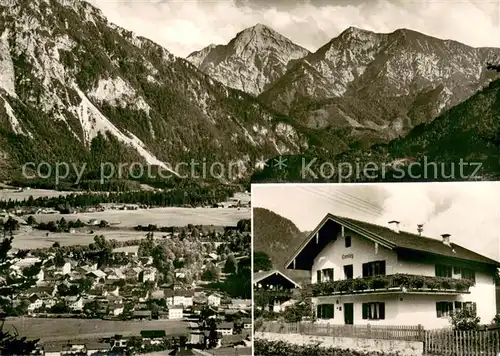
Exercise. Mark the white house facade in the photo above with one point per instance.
(368, 274)
(175, 313)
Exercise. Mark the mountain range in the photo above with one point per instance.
(76, 88)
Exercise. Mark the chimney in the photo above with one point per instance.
(420, 229)
(394, 225)
(446, 239)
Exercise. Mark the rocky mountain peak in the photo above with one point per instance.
(253, 59)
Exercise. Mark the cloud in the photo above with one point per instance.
(186, 26)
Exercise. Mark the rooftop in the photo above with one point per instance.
(384, 236)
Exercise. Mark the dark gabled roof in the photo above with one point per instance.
(260, 276)
(388, 238)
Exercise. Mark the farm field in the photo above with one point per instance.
(16, 194)
(47, 329)
(38, 239)
(171, 216)
(123, 221)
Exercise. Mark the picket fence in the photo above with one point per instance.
(435, 342)
(393, 332)
(462, 343)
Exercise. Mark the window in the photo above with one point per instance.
(324, 311)
(374, 311)
(324, 275)
(456, 270)
(376, 268)
(466, 306)
(471, 306)
(469, 274)
(444, 309)
(328, 274)
(443, 271)
(348, 272)
(348, 241)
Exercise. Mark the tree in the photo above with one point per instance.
(231, 264)
(261, 262)
(212, 273)
(31, 220)
(212, 336)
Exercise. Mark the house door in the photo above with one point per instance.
(348, 313)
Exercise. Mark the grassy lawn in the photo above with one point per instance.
(47, 329)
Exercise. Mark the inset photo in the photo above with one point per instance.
(401, 269)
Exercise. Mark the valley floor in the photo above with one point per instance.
(61, 329)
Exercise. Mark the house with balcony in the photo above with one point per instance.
(362, 273)
(275, 287)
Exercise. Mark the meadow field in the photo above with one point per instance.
(60, 329)
(171, 216)
(39, 239)
(123, 221)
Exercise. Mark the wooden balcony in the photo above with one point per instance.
(396, 283)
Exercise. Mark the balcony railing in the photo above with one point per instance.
(396, 282)
(280, 294)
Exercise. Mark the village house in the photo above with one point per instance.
(149, 274)
(175, 312)
(368, 274)
(35, 302)
(277, 285)
(116, 309)
(247, 324)
(75, 303)
(225, 328)
(130, 251)
(142, 314)
(214, 300)
(178, 297)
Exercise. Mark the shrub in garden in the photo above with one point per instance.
(281, 348)
(465, 319)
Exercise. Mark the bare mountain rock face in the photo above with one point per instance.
(252, 60)
(75, 87)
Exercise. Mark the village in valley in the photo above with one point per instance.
(121, 285)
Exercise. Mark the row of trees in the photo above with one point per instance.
(173, 197)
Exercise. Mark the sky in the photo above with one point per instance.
(185, 26)
(467, 211)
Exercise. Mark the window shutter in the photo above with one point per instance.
(318, 276)
(438, 309)
(318, 311)
(365, 311)
(381, 312)
(329, 314)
